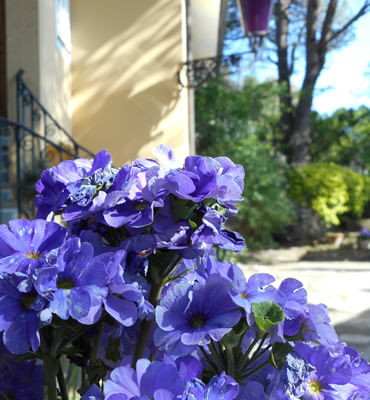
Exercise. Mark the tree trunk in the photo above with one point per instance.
(300, 138)
(285, 96)
(296, 121)
(299, 145)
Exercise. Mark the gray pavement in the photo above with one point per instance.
(344, 286)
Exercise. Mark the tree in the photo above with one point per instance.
(313, 28)
(241, 123)
(343, 138)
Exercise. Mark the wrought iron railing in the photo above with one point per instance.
(32, 143)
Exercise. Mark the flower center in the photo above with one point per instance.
(141, 206)
(66, 283)
(315, 387)
(243, 295)
(27, 299)
(34, 255)
(197, 321)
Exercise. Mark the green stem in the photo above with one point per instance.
(96, 342)
(62, 382)
(264, 337)
(57, 341)
(246, 354)
(239, 346)
(50, 385)
(253, 371)
(75, 336)
(230, 361)
(155, 293)
(256, 356)
(4, 396)
(208, 358)
(83, 377)
(72, 376)
(170, 268)
(216, 357)
(154, 296)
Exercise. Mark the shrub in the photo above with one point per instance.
(330, 190)
(266, 208)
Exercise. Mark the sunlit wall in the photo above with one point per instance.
(125, 96)
(32, 46)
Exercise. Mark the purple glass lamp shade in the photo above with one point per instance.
(255, 16)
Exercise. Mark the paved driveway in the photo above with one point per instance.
(344, 286)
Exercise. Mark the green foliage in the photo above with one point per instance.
(343, 138)
(241, 123)
(228, 111)
(267, 314)
(330, 190)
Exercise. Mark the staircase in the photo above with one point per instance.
(29, 145)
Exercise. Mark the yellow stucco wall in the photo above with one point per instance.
(55, 69)
(31, 46)
(22, 44)
(125, 55)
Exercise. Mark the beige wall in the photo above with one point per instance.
(125, 55)
(22, 35)
(55, 69)
(31, 46)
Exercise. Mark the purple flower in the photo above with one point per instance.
(292, 378)
(256, 290)
(219, 387)
(24, 245)
(292, 298)
(201, 178)
(215, 178)
(317, 326)
(329, 371)
(22, 313)
(230, 183)
(365, 232)
(252, 390)
(77, 283)
(94, 393)
(359, 386)
(156, 380)
(19, 380)
(192, 315)
(212, 232)
(134, 196)
(72, 186)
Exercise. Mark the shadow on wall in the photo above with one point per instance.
(125, 60)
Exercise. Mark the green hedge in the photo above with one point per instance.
(330, 190)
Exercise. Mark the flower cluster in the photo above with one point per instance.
(129, 293)
(365, 233)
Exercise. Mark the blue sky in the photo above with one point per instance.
(345, 80)
(347, 72)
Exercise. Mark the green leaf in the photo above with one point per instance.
(267, 314)
(180, 208)
(193, 224)
(173, 278)
(112, 352)
(25, 357)
(279, 353)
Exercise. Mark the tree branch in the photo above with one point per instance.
(272, 61)
(363, 10)
(294, 48)
(325, 32)
(312, 16)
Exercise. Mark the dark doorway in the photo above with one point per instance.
(3, 97)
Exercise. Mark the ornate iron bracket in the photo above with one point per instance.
(194, 73)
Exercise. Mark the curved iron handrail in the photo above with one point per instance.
(26, 97)
(33, 153)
